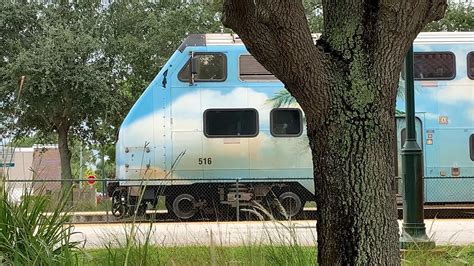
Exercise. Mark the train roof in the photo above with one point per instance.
(233, 39)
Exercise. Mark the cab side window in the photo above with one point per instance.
(210, 67)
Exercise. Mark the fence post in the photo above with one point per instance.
(104, 198)
(238, 199)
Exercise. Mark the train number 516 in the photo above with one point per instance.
(205, 161)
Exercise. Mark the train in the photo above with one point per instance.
(215, 131)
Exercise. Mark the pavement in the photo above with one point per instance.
(443, 232)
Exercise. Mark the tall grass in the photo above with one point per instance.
(280, 247)
(30, 237)
(447, 255)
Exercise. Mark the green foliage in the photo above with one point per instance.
(17, 28)
(84, 65)
(30, 237)
(65, 73)
(314, 13)
(142, 36)
(35, 138)
(458, 17)
(88, 159)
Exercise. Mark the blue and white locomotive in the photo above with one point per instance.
(208, 135)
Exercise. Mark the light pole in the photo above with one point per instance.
(414, 230)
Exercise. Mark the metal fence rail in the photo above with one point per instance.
(209, 199)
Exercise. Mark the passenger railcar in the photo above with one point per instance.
(206, 133)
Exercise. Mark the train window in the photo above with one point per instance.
(471, 146)
(470, 65)
(230, 123)
(209, 67)
(434, 66)
(251, 70)
(286, 122)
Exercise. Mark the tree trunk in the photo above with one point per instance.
(65, 156)
(346, 84)
(354, 177)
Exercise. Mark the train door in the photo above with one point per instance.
(401, 138)
(186, 123)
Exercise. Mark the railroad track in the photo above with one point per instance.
(430, 211)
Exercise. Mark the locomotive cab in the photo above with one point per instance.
(200, 135)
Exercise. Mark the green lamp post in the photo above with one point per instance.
(414, 230)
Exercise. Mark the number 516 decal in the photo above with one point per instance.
(205, 161)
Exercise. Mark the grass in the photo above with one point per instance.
(104, 205)
(444, 255)
(261, 255)
(27, 237)
(202, 255)
(51, 201)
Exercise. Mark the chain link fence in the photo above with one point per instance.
(106, 200)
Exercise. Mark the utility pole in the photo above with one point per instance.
(414, 230)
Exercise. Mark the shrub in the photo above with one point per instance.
(31, 236)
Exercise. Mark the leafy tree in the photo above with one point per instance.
(17, 27)
(458, 17)
(67, 79)
(35, 138)
(314, 14)
(85, 65)
(347, 85)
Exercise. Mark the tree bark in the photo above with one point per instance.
(65, 156)
(346, 84)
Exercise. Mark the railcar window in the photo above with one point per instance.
(470, 65)
(434, 66)
(222, 123)
(286, 122)
(209, 67)
(251, 70)
(471, 146)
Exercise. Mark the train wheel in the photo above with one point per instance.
(184, 206)
(119, 203)
(291, 204)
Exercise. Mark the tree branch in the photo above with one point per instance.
(277, 34)
(411, 16)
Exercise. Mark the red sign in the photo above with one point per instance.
(91, 179)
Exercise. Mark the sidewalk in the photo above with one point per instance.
(443, 232)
